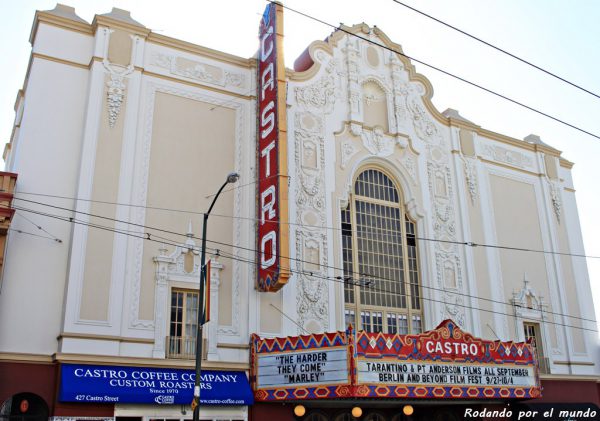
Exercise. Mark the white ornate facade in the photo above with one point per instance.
(128, 157)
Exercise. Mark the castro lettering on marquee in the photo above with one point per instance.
(273, 237)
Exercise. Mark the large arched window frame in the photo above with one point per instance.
(382, 291)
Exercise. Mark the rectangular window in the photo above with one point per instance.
(377, 322)
(347, 255)
(350, 318)
(416, 325)
(402, 324)
(181, 342)
(365, 319)
(392, 325)
(533, 333)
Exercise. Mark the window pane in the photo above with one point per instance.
(380, 259)
(402, 325)
(392, 326)
(416, 325)
(350, 318)
(365, 318)
(183, 324)
(347, 255)
(380, 254)
(377, 322)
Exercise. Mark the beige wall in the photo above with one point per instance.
(191, 154)
(567, 277)
(517, 222)
(99, 248)
(270, 318)
(119, 48)
(482, 276)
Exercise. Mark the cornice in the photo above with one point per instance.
(7, 148)
(58, 21)
(500, 164)
(61, 61)
(574, 363)
(565, 163)
(332, 41)
(102, 20)
(66, 335)
(233, 346)
(188, 47)
(517, 143)
(462, 124)
(25, 358)
(198, 85)
(145, 362)
(570, 378)
(312, 71)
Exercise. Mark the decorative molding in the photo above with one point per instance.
(353, 87)
(321, 94)
(527, 298)
(139, 196)
(507, 156)
(409, 164)
(171, 268)
(198, 70)
(448, 264)
(400, 91)
(311, 239)
(471, 177)
(377, 143)
(555, 198)
(529, 305)
(347, 151)
(114, 97)
(116, 88)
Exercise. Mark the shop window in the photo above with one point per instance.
(181, 342)
(380, 258)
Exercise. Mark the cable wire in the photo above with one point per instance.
(498, 49)
(147, 236)
(254, 251)
(447, 73)
(455, 242)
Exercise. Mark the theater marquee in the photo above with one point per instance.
(273, 229)
(442, 363)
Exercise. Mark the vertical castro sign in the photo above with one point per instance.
(273, 228)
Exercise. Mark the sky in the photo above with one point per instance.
(560, 36)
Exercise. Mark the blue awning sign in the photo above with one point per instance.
(152, 385)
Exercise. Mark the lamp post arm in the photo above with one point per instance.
(196, 414)
(215, 199)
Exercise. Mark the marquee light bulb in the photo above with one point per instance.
(408, 410)
(299, 410)
(356, 411)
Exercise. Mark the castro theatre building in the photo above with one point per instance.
(344, 278)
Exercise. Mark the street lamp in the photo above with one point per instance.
(231, 178)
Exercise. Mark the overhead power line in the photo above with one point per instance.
(447, 73)
(149, 236)
(541, 69)
(435, 240)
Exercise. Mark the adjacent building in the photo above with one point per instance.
(397, 217)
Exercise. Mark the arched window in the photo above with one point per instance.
(381, 273)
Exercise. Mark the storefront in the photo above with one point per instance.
(151, 393)
(376, 376)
